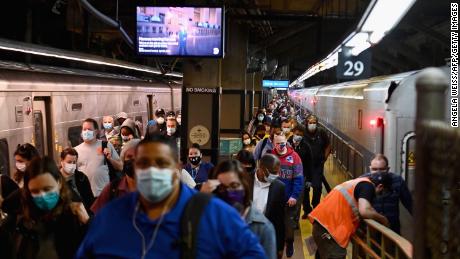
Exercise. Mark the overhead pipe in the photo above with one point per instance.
(108, 21)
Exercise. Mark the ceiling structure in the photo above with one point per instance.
(286, 36)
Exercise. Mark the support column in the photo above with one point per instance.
(234, 82)
(215, 89)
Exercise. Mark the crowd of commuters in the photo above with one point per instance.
(124, 194)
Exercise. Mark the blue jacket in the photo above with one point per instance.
(387, 203)
(203, 171)
(261, 149)
(221, 233)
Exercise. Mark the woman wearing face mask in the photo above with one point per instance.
(77, 181)
(198, 169)
(249, 143)
(109, 128)
(111, 133)
(23, 155)
(258, 119)
(49, 225)
(128, 131)
(231, 184)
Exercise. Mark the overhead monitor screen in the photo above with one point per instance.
(180, 31)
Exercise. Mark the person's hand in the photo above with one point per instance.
(107, 153)
(209, 186)
(79, 210)
(291, 202)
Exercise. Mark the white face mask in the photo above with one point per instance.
(21, 166)
(170, 131)
(247, 141)
(178, 120)
(161, 120)
(125, 138)
(286, 130)
(312, 127)
(69, 168)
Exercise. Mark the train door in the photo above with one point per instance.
(43, 137)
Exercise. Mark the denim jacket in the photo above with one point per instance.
(264, 230)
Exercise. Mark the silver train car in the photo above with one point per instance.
(46, 105)
(366, 117)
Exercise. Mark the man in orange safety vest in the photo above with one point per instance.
(336, 218)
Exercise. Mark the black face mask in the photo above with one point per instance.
(128, 168)
(195, 160)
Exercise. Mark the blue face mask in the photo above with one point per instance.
(46, 201)
(154, 184)
(107, 126)
(87, 134)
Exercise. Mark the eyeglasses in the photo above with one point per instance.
(231, 187)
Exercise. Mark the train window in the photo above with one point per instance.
(136, 103)
(77, 106)
(74, 135)
(4, 158)
(360, 119)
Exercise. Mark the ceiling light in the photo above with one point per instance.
(386, 14)
(357, 39)
(81, 57)
(375, 37)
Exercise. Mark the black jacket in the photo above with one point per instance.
(8, 186)
(275, 210)
(304, 153)
(19, 240)
(84, 189)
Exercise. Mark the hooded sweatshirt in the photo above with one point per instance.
(129, 123)
(291, 173)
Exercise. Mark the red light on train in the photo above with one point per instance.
(376, 122)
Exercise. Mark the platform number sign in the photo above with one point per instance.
(354, 67)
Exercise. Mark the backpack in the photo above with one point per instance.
(190, 221)
(113, 174)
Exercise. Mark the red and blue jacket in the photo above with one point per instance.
(291, 173)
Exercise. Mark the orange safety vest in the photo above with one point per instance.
(338, 212)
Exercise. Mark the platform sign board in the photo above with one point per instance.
(275, 84)
(354, 67)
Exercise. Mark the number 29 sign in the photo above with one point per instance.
(354, 67)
